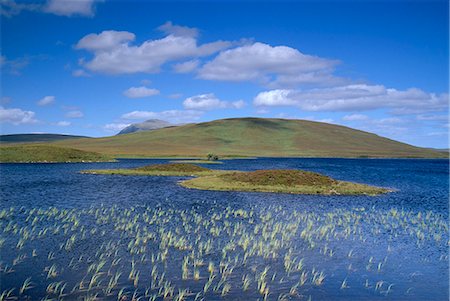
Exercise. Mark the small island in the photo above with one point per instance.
(275, 181)
(44, 153)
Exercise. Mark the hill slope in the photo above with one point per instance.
(25, 153)
(148, 125)
(253, 137)
(28, 138)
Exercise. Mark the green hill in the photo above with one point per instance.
(253, 137)
(47, 153)
(29, 138)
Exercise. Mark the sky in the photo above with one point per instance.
(90, 67)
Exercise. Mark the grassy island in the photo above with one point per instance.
(197, 161)
(281, 181)
(171, 169)
(37, 153)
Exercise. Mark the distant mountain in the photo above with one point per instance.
(27, 138)
(258, 137)
(148, 125)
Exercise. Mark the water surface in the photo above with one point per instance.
(60, 226)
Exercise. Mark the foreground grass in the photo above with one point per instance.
(280, 181)
(36, 153)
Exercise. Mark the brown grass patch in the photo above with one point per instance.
(279, 177)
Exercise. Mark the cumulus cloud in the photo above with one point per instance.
(177, 30)
(16, 116)
(70, 7)
(186, 67)
(264, 63)
(139, 92)
(206, 102)
(360, 97)
(114, 53)
(47, 100)
(106, 40)
(74, 114)
(174, 116)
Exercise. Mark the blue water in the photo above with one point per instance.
(390, 258)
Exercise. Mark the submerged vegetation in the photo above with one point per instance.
(148, 253)
(37, 153)
(282, 181)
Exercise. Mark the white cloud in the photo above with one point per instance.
(355, 117)
(114, 53)
(16, 116)
(63, 123)
(175, 116)
(115, 127)
(206, 102)
(267, 64)
(70, 7)
(47, 100)
(106, 40)
(9, 8)
(186, 67)
(238, 104)
(359, 97)
(139, 92)
(74, 114)
(176, 30)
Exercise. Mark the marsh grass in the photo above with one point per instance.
(147, 253)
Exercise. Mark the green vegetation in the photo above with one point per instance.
(212, 157)
(175, 167)
(253, 137)
(171, 169)
(281, 181)
(197, 162)
(29, 138)
(47, 154)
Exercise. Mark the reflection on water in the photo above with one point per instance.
(124, 238)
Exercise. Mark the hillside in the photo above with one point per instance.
(253, 137)
(47, 153)
(148, 125)
(28, 138)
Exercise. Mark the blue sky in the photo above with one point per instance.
(92, 67)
